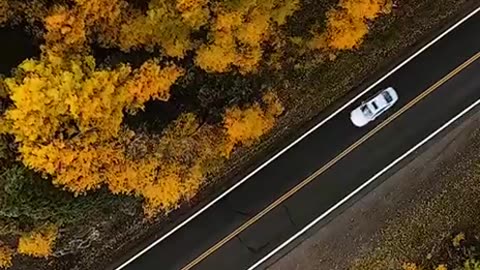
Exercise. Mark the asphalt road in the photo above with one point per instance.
(226, 237)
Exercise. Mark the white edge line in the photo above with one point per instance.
(365, 184)
(203, 209)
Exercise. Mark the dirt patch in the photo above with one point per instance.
(408, 216)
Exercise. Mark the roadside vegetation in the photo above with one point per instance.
(119, 112)
(460, 254)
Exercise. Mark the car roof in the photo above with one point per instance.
(379, 101)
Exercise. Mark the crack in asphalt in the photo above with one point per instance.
(290, 216)
(252, 249)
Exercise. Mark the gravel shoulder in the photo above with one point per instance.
(407, 217)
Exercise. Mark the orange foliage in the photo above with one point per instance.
(244, 127)
(39, 242)
(366, 9)
(6, 256)
(238, 33)
(69, 28)
(217, 57)
(161, 26)
(347, 26)
(344, 31)
(46, 95)
(153, 81)
(67, 116)
(64, 29)
(195, 13)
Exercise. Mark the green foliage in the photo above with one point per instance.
(3, 149)
(472, 264)
(29, 200)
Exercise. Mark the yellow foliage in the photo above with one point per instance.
(215, 57)
(364, 9)
(345, 31)
(195, 13)
(153, 81)
(68, 28)
(6, 256)
(39, 242)
(347, 25)
(410, 266)
(116, 23)
(47, 95)
(282, 12)
(67, 117)
(64, 27)
(238, 34)
(441, 267)
(255, 30)
(66, 114)
(456, 241)
(160, 26)
(244, 127)
(77, 165)
(175, 184)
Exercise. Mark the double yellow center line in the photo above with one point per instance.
(309, 179)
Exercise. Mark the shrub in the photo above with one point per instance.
(39, 242)
(246, 126)
(6, 255)
(471, 264)
(27, 198)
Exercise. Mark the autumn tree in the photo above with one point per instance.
(68, 28)
(239, 31)
(244, 127)
(347, 24)
(67, 116)
(236, 30)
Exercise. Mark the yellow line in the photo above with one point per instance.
(330, 163)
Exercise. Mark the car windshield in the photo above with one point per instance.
(366, 111)
(387, 97)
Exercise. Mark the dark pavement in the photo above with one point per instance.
(316, 150)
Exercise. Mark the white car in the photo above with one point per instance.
(371, 109)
